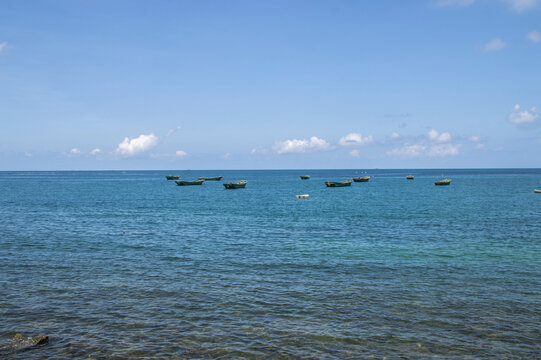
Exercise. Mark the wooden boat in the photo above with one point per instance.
(305, 196)
(362, 179)
(185, 183)
(537, 191)
(443, 182)
(172, 177)
(216, 178)
(305, 177)
(410, 177)
(236, 185)
(338, 183)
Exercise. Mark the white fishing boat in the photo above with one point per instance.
(304, 196)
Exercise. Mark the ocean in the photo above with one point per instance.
(125, 264)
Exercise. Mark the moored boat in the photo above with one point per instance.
(338, 183)
(362, 179)
(442, 182)
(236, 185)
(537, 191)
(410, 177)
(185, 183)
(172, 177)
(216, 178)
(304, 196)
(305, 177)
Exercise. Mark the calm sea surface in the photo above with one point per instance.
(115, 265)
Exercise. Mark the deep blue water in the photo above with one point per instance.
(117, 265)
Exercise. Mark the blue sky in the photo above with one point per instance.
(269, 84)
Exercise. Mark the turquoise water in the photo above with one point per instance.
(117, 265)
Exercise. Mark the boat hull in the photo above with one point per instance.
(442, 182)
(217, 178)
(537, 191)
(188, 183)
(409, 177)
(362, 179)
(338, 183)
(305, 177)
(172, 177)
(236, 185)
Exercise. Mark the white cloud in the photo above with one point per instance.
(138, 145)
(395, 135)
(433, 134)
(172, 131)
(435, 144)
(180, 153)
(28, 154)
(355, 139)
(301, 146)
(354, 153)
(442, 150)
(454, 2)
(436, 136)
(445, 137)
(96, 151)
(494, 45)
(416, 150)
(72, 152)
(522, 117)
(3, 45)
(476, 140)
(522, 5)
(534, 36)
(408, 151)
(226, 155)
(258, 150)
(515, 5)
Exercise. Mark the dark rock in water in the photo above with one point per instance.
(19, 337)
(23, 342)
(40, 340)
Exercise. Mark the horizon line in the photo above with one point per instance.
(286, 169)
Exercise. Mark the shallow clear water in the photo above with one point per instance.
(129, 265)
